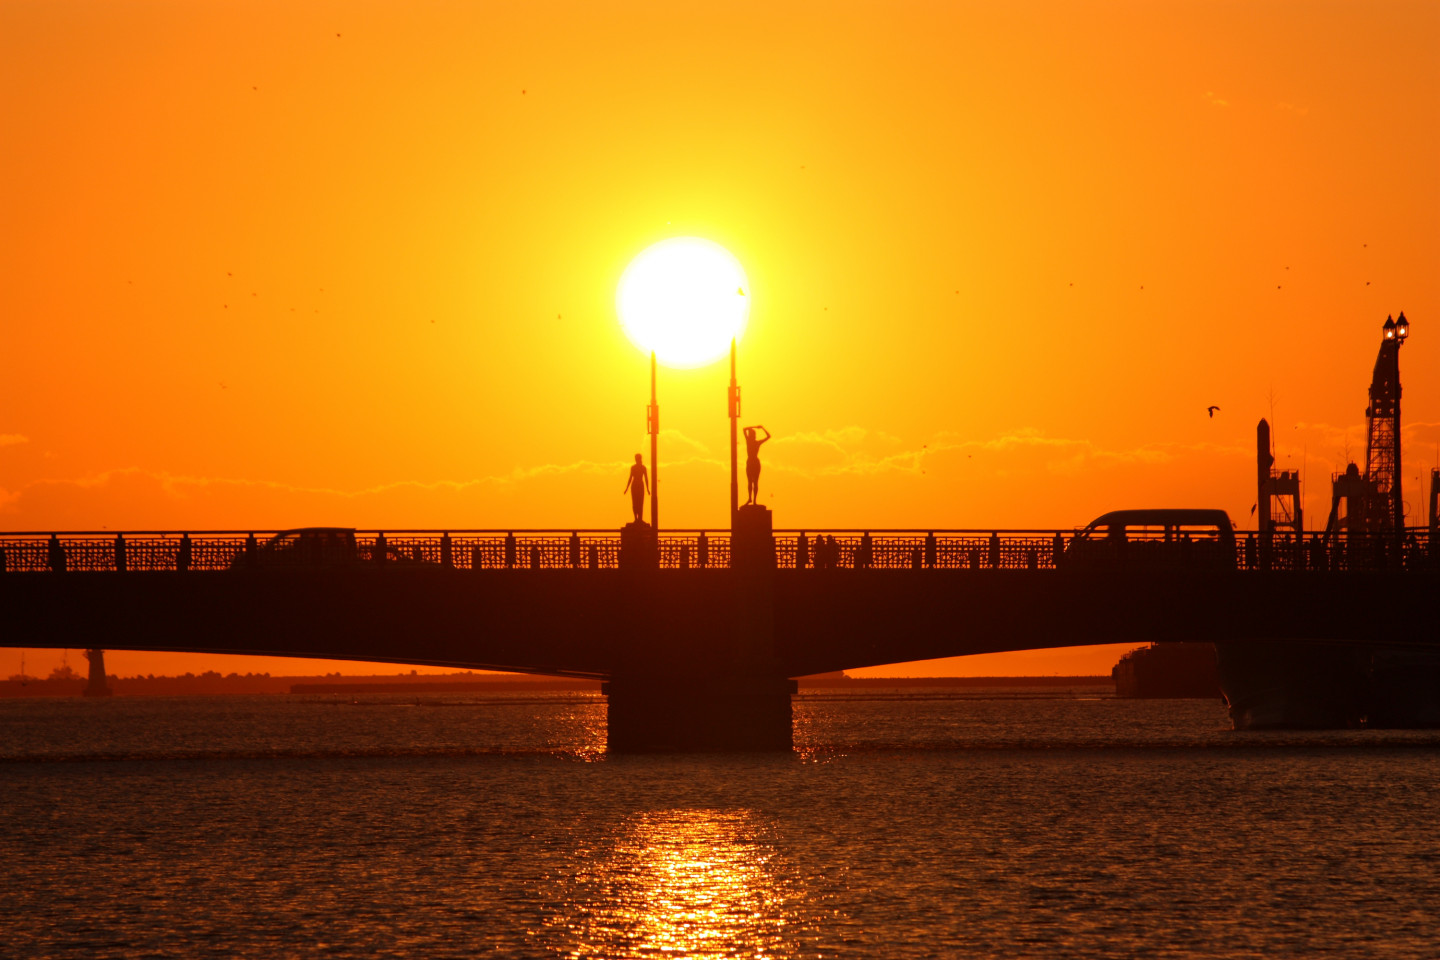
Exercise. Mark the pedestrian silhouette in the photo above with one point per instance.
(639, 484)
(752, 461)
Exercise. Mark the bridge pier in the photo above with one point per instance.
(97, 685)
(707, 687)
(679, 714)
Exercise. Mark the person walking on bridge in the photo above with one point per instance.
(637, 486)
(752, 461)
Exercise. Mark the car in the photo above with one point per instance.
(304, 547)
(1147, 539)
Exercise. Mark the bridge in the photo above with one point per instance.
(698, 633)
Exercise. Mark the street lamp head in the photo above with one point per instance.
(1389, 329)
(1402, 327)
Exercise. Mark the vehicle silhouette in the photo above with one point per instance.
(1154, 539)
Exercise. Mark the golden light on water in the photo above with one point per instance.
(684, 298)
(687, 883)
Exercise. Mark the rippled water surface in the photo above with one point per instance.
(906, 826)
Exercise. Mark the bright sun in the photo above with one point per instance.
(684, 298)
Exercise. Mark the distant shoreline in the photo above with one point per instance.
(207, 684)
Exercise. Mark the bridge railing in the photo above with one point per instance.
(696, 549)
(462, 550)
(1338, 552)
(914, 550)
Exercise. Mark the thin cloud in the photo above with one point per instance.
(668, 435)
(1339, 445)
(1015, 451)
(182, 487)
(10, 439)
(1215, 101)
(835, 439)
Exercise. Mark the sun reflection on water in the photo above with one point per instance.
(687, 883)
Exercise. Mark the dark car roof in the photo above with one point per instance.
(282, 533)
(1166, 517)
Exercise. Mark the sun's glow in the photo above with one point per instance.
(684, 298)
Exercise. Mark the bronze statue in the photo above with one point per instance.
(639, 484)
(752, 461)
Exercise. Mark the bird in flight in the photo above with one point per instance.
(1211, 410)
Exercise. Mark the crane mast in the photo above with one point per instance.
(1373, 502)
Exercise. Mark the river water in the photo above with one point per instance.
(913, 825)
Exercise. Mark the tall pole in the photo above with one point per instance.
(734, 404)
(1399, 502)
(653, 422)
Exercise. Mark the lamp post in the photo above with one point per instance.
(1401, 333)
(733, 396)
(652, 426)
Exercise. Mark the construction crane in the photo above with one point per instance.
(1372, 502)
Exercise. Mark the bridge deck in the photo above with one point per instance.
(598, 623)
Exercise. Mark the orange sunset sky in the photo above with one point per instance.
(273, 264)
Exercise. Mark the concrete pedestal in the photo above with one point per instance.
(752, 542)
(639, 547)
